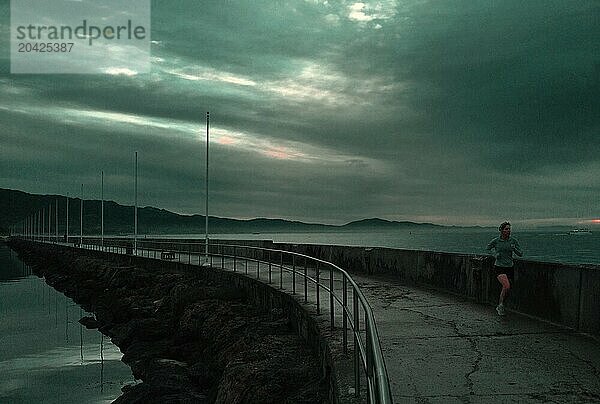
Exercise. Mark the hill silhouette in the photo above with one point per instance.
(118, 219)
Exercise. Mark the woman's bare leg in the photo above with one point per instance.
(503, 279)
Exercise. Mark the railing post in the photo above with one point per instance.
(318, 275)
(222, 256)
(369, 349)
(246, 261)
(331, 296)
(190, 254)
(293, 274)
(234, 260)
(305, 281)
(269, 258)
(345, 314)
(258, 268)
(281, 270)
(356, 348)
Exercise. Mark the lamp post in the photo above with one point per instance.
(206, 212)
(135, 218)
(102, 211)
(81, 219)
(67, 221)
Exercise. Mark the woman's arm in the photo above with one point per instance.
(517, 248)
(491, 247)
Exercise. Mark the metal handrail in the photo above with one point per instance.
(367, 352)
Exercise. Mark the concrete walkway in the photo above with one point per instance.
(440, 348)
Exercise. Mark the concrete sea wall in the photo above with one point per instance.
(564, 294)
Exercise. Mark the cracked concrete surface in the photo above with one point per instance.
(440, 348)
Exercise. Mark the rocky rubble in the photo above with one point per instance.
(189, 339)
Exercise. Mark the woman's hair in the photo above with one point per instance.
(503, 225)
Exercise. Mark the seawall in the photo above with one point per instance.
(561, 293)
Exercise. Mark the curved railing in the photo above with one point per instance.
(345, 299)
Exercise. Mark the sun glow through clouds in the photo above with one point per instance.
(116, 71)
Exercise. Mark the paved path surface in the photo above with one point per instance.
(440, 348)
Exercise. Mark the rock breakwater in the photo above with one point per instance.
(187, 336)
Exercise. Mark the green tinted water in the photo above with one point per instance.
(45, 354)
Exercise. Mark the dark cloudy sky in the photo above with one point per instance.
(446, 111)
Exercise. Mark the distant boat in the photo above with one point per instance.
(580, 231)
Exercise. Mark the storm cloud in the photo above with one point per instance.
(453, 112)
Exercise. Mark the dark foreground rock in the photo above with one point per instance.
(189, 339)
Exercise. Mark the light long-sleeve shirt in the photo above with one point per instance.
(503, 251)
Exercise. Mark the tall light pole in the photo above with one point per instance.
(67, 221)
(206, 212)
(135, 218)
(81, 219)
(102, 211)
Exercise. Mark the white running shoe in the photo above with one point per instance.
(500, 309)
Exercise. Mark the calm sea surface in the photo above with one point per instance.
(545, 246)
(46, 356)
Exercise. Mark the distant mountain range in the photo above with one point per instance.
(118, 219)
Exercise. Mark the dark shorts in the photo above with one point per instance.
(509, 271)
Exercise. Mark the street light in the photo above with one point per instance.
(102, 211)
(135, 218)
(81, 219)
(206, 213)
(67, 221)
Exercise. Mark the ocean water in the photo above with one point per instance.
(545, 246)
(46, 356)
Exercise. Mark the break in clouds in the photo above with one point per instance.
(453, 112)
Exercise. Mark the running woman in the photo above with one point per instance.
(502, 248)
